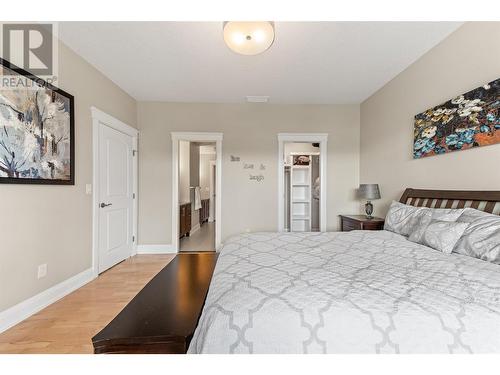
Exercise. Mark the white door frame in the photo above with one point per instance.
(322, 139)
(100, 117)
(212, 182)
(195, 137)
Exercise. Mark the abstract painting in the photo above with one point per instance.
(467, 121)
(36, 130)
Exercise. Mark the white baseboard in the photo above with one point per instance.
(156, 249)
(195, 229)
(25, 309)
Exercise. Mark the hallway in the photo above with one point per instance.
(202, 240)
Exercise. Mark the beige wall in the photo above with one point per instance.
(53, 224)
(194, 180)
(250, 132)
(184, 172)
(465, 60)
(194, 164)
(289, 147)
(205, 168)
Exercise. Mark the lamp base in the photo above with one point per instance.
(369, 210)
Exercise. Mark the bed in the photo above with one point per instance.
(352, 292)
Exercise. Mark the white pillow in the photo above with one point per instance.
(481, 239)
(405, 219)
(447, 214)
(471, 214)
(429, 214)
(443, 235)
(401, 218)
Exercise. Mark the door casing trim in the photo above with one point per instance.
(100, 117)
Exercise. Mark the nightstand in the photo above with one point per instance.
(360, 222)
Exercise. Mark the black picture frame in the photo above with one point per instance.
(41, 82)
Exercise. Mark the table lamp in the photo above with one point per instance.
(369, 192)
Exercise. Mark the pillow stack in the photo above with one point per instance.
(465, 231)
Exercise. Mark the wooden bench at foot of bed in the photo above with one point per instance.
(162, 317)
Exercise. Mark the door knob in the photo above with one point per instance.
(105, 204)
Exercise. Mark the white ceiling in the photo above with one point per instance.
(309, 62)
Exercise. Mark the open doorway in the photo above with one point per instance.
(302, 182)
(197, 228)
(302, 186)
(196, 182)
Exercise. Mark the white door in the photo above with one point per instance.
(115, 197)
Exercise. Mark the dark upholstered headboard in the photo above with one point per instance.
(488, 201)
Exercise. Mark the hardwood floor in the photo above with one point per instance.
(68, 325)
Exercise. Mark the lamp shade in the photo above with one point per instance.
(369, 191)
(248, 38)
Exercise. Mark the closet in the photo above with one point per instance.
(302, 187)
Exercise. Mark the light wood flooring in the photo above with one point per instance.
(68, 325)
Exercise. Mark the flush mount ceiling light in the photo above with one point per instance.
(248, 38)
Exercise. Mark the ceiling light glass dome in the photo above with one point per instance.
(248, 38)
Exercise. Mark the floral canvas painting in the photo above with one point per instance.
(467, 121)
(36, 130)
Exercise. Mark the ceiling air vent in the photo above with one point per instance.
(257, 99)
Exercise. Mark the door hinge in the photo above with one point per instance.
(134, 152)
(133, 238)
(133, 195)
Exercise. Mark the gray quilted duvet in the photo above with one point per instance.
(348, 292)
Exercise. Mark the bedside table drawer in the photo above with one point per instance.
(347, 226)
(373, 225)
(360, 222)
